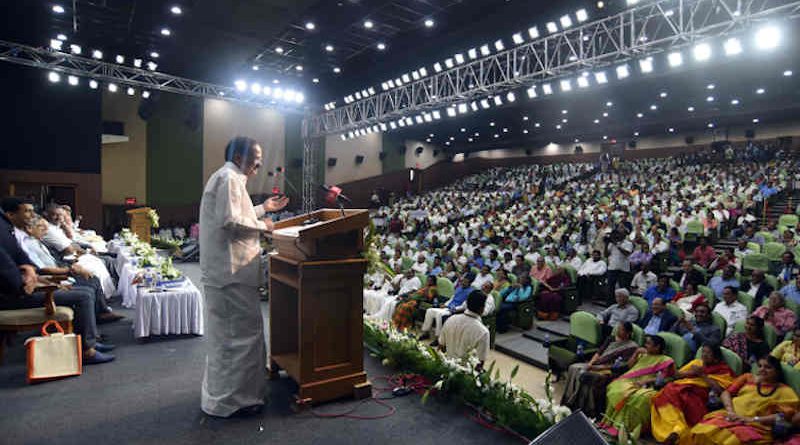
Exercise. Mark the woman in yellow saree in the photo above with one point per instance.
(683, 402)
(628, 397)
(752, 404)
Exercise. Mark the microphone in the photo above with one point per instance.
(335, 193)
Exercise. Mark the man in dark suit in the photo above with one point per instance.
(757, 287)
(657, 319)
(688, 274)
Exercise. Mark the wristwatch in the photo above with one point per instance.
(757, 419)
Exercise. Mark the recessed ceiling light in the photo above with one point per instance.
(755, 120)
(663, 94)
(735, 102)
(787, 73)
(605, 114)
(537, 125)
(255, 68)
(710, 99)
(597, 121)
(279, 50)
(429, 23)
(639, 115)
(710, 86)
(368, 24)
(310, 26)
(61, 37)
(176, 10)
(609, 104)
(58, 9)
(315, 80)
(329, 48)
(381, 46)
(337, 70)
(710, 125)
(690, 109)
(653, 107)
(155, 55)
(564, 111)
(760, 91)
(671, 130)
(166, 32)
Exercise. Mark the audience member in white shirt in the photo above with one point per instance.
(463, 333)
(643, 280)
(483, 277)
(730, 309)
(379, 304)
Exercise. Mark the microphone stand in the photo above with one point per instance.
(341, 206)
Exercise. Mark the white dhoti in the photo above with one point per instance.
(374, 300)
(235, 374)
(433, 318)
(98, 268)
(386, 310)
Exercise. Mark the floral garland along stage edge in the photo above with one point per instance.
(508, 405)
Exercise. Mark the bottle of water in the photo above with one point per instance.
(659, 380)
(546, 340)
(580, 351)
(617, 366)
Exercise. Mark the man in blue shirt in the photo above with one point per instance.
(476, 260)
(436, 315)
(792, 291)
(658, 318)
(436, 269)
(661, 290)
(719, 283)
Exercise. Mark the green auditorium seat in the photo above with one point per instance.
(584, 328)
(788, 220)
(677, 348)
(792, 376)
(445, 287)
(731, 358)
(640, 304)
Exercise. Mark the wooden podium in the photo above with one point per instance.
(140, 223)
(316, 304)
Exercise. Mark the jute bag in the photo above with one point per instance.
(53, 356)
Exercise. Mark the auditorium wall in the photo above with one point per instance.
(124, 164)
(345, 152)
(424, 159)
(224, 120)
(394, 158)
(293, 184)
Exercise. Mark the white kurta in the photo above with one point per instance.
(235, 373)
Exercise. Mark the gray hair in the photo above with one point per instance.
(622, 291)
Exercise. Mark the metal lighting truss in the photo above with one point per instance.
(129, 76)
(312, 146)
(637, 32)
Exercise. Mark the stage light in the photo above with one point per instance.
(337, 70)
(653, 107)
(418, 119)
(498, 101)
(131, 91)
(176, 10)
(710, 99)
(755, 120)
(768, 37)
(732, 46)
(760, 91)
(61, 37)
(423, 72)
(597, 121)
(551, 27)
(623, 71)
(381, 46)
(255, 88)
(429, 23)
(72, 80)
(436, 114)
(97, 54)
(565, 120)
(54, 77)
(547, 89)
(690, 109)
(639, 115)
(787, 73)
(532, 92)
(492, 124)
(462, 108)
(368, 24)
(636, 133)
(735, 102)
(600, 77)
(558, 127)
(93, 84)
(517, 38)
(702, 52)
(601, 5)
(152, 66)
(537, 125)
(390, 82)
(485, 51)
(113, 87)
(605, 114)
(409, 121)
(485, 104)
(437, 67)
(472, 53)
(710, 125)
(511, 97)
(156, 55)
(675, 59)
(279, 49)
(392, 125)
(120, 59)
(451, 112)
(583, 82)
(56, 44)
(137, 63)
(358, 95)
(415, 75)
(663, 94)
(58, 9)
(646, 65)
(505, 130)
(298, 67)
(371, 91)
(581, 15)
(566, 21)
(498, 45)
(76, 49)
(533, 32)
(459, 58)
(166, 32)
(240, 85)
(566, 85)
(406, 78)
(145, 95)
(710, 86)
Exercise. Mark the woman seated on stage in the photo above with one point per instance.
(751, 406)
(586, 382)
(750, 344)
(684, 402)
(628, 397)
(403, 317)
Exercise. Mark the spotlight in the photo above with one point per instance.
(131, 91)
(97, 54)
(646, 65)
(166, 32)
(459, 58)
(437, 67)
(418, 119)
(371, 91)
(436, 114)
(623, 72)
(58, 9)
(56, 44)
(368, 24)
(255, 88)
(72, 80)
(240, 85)
(551, 27)
(381, 46)
(498, 101)
(601, 5)
(566, 21)
(113, 87)
(511, 97)
(76, 49)
(702, 52)
(533, 32)
(176, 10)
(690, 109)
(675, 59)
(735, 102)
(517, 39)
(279, 50)
(566, 85)
(710, 99)
(485, 51)
(462, 108)
(152, 66)
(472, 53)
(732, 46)
(423, 72)
(547, 89)
(451, 111)
(760, 91)
(137, 63)
(54, 77)
(120, 59)
(155, 55)
(787, 73)
(61, 37)
(337, 70)
(498, 45)
(310, 26)
(583, 82)
(485, 104)
(600, 77)
(93, 84)
(406, 78)
(429, 23)
(768, 37)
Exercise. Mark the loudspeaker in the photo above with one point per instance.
(576, 429)
(359, 159)
(689, 140)
(528, 151)
(331, 162)
(296, 163)
(418, 150)
(632, 144)
(382, 155)
(435, 153)
(750, 133)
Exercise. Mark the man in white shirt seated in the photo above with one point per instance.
(483, 277)
(590, 270)
(643, 280)
(380, 304)
(421, 266)
(730, 308)
(463, 333)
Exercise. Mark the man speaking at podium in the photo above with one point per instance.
(230, 227)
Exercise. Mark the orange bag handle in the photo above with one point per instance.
(49, 323)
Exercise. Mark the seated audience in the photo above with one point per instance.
(688, 299)
(619, 312)
(465, 332)
(403, 316)
(434, 315)
(485, 276)
(789, 270)
(688, 274)
(730, 309)
(590, 270)
(684, 401)
(628, 396)
(541, 271)
(776, 314)
(750, 406)
(643, 280)
(750, 344)
(511, 297)
(550, 298)
(585, 388)
(501, 280)
(381, 303)
(660, 290)
(704, 254)
(700, 331)
(788, 351)
(792, 290)
(757, 287)
(720, 282)
(658, 318)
